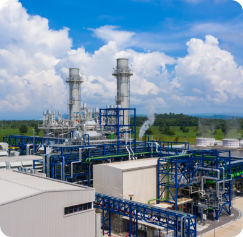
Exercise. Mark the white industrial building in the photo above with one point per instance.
(33, 206)
(14, 162)
(135, 180)
(3, 149)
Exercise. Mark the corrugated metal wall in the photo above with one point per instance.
(43, 216)
(141, 183)
(108, 180)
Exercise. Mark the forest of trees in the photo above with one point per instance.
(18, 123)
(163, 121)
(203, 126)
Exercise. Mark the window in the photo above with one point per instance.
(77, 208)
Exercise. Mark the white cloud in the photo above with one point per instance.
(125, 39)
(210, 70)
(197, 91)
(111, 33)
(175, 83)
(29, 52)
(34, 61)
(100, 86)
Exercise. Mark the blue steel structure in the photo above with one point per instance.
(65, 156)
(20, 141)
(182, 224)
(117, 114)
(181, 171)
(65, 163)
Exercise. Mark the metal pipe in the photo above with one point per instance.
(128, 153)
(48, 165)
(44, 164)
(28, 149)
(221, 181)
(75, 162)
(80, 154)
(182, 233)
(208, 177)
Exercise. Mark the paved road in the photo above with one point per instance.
(233, 229)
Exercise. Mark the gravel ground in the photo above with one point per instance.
(223, 219)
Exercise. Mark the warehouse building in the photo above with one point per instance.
(36, 206)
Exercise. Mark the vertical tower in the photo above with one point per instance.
(74, 81)
(122, 74)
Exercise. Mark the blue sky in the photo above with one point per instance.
(186, 54)
(168, 21)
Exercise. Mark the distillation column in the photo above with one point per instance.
(74, 81)
(122, 74)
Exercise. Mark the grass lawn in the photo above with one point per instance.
(190, 136)
(15, 131)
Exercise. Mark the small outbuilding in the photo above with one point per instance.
(135, 180)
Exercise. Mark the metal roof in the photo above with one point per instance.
(16, 185)
(133, 164)
(12, 191)
(20, 158)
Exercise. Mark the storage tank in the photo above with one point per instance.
(232, 143)
(203, 141)
(122, 74)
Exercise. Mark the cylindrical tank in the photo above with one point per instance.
(232, 143)
(122, 74)
(201, 141)
(74, 81)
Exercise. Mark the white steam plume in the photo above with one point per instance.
(146, 125)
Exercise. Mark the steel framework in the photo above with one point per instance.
(187, 170)
(182, 224)
(19, 141)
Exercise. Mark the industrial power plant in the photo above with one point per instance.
(89, 176)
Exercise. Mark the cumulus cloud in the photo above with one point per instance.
(211, 71)
(34, 61)
(29, 52)
(111, 33)
(148, 70)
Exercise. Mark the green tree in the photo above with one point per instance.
(170, 132)
(224, 129)
(37, 130)
(149, 131)
(23, 129)
(182, 127)
(185, 130)
(176, 139)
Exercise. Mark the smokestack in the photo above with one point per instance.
(122, 74)
(74, 81)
